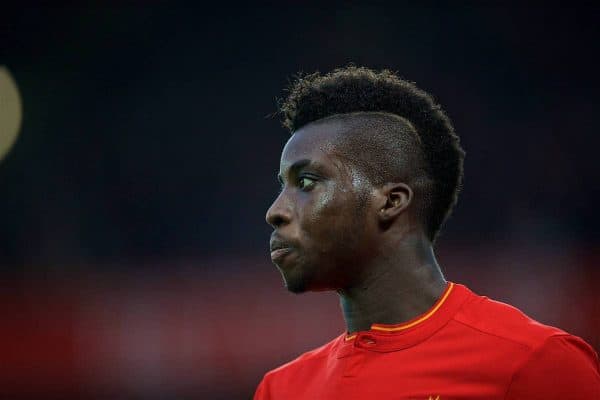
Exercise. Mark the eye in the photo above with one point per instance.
(305, 182)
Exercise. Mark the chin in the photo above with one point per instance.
(295, 284)
(301, 277)
(303, 284)
(296, 288)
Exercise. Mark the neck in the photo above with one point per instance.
(396, 288)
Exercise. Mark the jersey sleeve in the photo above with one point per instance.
(564, 367)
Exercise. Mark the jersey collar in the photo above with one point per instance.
(392, 337)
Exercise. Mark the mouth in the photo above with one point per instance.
(278, 255)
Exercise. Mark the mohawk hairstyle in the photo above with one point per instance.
(358, 89)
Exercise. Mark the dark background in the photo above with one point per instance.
(133, 201)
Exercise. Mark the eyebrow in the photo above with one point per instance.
(299, 165)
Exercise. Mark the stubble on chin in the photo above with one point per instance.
(295, 284)
(299, 279)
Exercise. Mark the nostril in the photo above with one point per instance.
(277, 221)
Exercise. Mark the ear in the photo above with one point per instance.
(396, 197)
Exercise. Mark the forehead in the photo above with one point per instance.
(315, 141)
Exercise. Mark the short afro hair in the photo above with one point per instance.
(355, 89)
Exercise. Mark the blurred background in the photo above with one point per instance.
(133, 247)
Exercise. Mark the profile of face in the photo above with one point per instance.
(321, 216)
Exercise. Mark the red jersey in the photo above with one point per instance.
(465, 347)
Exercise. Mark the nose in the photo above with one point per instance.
(279, 213)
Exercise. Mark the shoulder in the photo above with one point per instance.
(545, 362)
(503, 322)
(297, 370)
(305, 359)
(562, 367)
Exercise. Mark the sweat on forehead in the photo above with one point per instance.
(384, 146)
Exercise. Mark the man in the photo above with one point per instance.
(371, 172)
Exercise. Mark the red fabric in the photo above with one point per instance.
(470, 348)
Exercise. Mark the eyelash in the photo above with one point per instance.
(310, 185)
(300, 178)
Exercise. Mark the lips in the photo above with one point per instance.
(278, 255)
(280, 248)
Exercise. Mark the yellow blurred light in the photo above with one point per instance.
(11, 111)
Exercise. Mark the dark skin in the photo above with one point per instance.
(340, 232)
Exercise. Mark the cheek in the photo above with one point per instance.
(323, 204)
(327, 218)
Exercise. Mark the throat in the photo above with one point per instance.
(391, 298)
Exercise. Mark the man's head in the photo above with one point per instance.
(388, 158)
